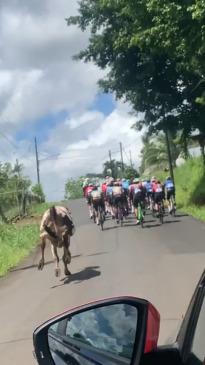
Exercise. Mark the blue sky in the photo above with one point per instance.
(45, 93)
(41, 127)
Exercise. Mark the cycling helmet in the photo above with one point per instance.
(136, 181)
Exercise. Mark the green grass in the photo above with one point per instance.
(190, 187)
(16, 241)
(39, 209)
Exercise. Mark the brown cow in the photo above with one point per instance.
(57, 227)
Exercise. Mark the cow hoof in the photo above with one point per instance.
(40, 265)
(67, 273)
(57, 272)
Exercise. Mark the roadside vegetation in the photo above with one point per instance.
(19, 202)
(16, 241)
(190, 186)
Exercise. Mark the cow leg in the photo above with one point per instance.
(66, 254)
(42, 260)
(56, 260)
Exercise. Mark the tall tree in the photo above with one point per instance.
(136, 42)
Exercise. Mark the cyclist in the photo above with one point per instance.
(170, 192)
(138, 196)
(87, 194)
(149, 193)
(125, 186)
(97, 202)
(132, 187)
(117, 198)
(108, 198)
(103, 189)
(158, 191)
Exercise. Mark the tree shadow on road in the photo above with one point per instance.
(159, 224)
(87, 273)
(181, 215)
(109, 228)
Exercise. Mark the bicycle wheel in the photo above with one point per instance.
(142, 222)
(161, 215)
(140, 215)
(120, 215)
(94, 217)
(173, 211)
(101, 219)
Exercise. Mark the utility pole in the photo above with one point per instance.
(122, 163)
(131, 163)
(110, 156)
(169, 154)
(37, 162)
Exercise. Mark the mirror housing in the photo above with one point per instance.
(147, 331)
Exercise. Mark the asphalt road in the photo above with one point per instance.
(160, 263)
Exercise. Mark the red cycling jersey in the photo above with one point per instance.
(88, 190)
(157, 187)
(104, 187)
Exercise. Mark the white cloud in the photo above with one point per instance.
(87, 154)
(36, 63)
(38, 77)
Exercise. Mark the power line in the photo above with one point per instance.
(8, 140)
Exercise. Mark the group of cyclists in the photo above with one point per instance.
(120, 197)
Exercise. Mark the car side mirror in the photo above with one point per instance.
(112, 331)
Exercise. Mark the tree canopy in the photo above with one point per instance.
(153, 51)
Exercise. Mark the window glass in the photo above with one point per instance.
(198, 346)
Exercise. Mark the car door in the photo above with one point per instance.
(191, 337)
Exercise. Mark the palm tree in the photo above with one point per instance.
(154, 151)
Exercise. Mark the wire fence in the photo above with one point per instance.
(16, 204)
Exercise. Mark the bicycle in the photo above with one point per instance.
(101, 215)
(172, 205)
(140, 215)
(161, 212)
(120, 214)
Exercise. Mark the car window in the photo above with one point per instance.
(197, 354)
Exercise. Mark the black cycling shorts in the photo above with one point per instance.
(170, 193)
(117, 201)
(97, 203)
(109, 199)
(138, 199)
(158, 197)
(88, 199)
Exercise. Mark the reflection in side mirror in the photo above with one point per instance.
(102, 335)
(107, 332)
